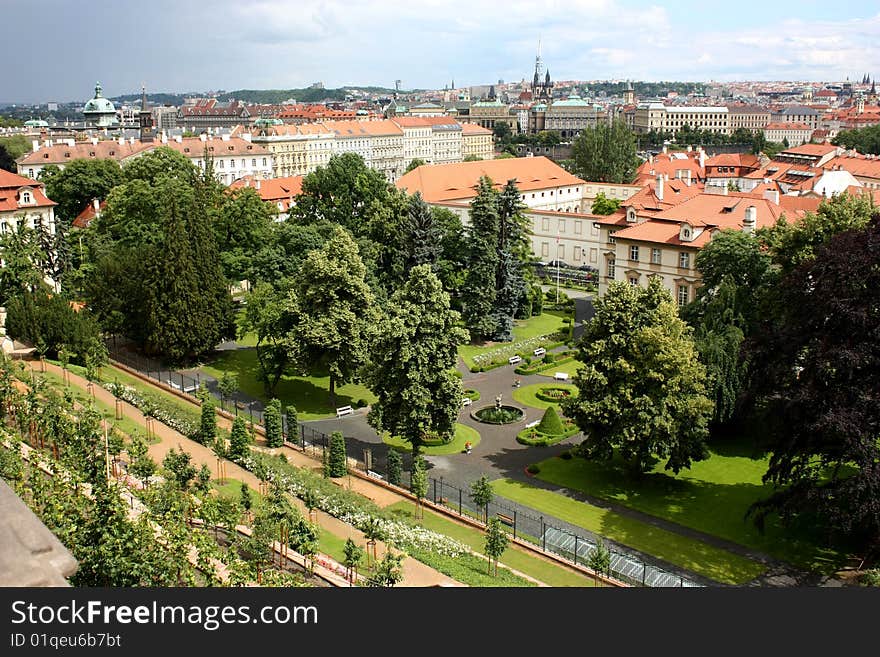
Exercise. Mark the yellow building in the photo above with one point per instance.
(476, 141)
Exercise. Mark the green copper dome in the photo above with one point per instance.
(99, 104)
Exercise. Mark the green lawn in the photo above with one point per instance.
(694, 555)
(540, 569)
(310, 394)
(543, 324)
(712, 496)
(526, 394)
(569, 368)
(462, 435)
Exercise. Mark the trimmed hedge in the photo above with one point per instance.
(550, 424)
(550, 398)
(470, 393)
(534, 439)
(567, 357)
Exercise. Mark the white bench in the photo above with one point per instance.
(513, 360)
(540, 351)
(560, 376)
(533, 424)
(344, 410)
(467, 401)
(190, 388)
(374, 475)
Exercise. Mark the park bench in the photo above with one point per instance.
(560, 376)
(513, 360)
(467, 401)
(533, 423)
(189, 388)
(344, 410)
(540, 351)
(374, 475)
(507, 520)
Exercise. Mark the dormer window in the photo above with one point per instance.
(631, 215)
(686, 234)
(26, 198)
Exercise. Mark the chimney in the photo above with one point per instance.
(257, 184)
(121, 141)
(246, 136)
(94, 141)
(96, 205)
(203, 137)
(772, 195)
(660, 187)
(179, 139)
(687, 180)
(70, 142)
(702, 158)
(750, 220)
(35, 144)
(689, 148)
(164, 138)
(665, 149)
(651, 159)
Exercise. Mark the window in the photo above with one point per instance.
(593, 254)
(26, 198)
(545, 224)
(561, 225)
(545, 248)
(30, 173)
(634, 253)
(254, 162)
(578, 227)
(611, 239)
(684, 260)
(577, 254)
(542, 194)
(655, 256)
(682, 295)
(560, 251)
(633, 280)
(610, 268)
(220, 164)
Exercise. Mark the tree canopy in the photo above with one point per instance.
(606, 153)
(642, 390)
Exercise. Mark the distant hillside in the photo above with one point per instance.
(277, 96)
(647, 89)
(152, 99)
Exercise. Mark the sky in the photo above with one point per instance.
(60, 48)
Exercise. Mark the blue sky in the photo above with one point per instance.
(63, 46)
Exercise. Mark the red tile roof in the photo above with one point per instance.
(11, 183)
(273, 190)
(84, 218)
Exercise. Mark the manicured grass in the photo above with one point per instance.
(543, 324)
(526, 394)
(309, 394)
(231, 488)
(569, 368)
(333, 546)
(694, 555)
(712, 496)
(520, 560)
(462, 435)
(113, 374)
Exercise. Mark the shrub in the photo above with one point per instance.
(550, 424)
(549, 358)
(554, 394)
(533, 469)
(337, 462)
(470, 393)
(457, 372)
(395, 464)
(361, 403)
(272, 423)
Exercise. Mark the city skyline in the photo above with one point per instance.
(275, 44)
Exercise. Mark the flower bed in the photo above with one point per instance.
(554, 394)
(157, 408)
(541, 366)
(524, 349)
(536, 438)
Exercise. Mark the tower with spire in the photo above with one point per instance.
(541, 89)
(629, 94)
(145, 117)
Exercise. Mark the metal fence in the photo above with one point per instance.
(527, 524)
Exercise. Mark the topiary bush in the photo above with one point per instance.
(550, 424)
(533, 469)
(337, 461)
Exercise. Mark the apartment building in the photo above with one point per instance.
(663, 118)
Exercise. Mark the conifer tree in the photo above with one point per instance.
(479, 290)
(272, 423)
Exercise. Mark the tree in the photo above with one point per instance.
(208, 423)
(292, 424)
(227, 385)
(21, 256)
(242, 228)
(423, 237)
(600, 560)
(603, 205)
(142, 466)
(272, 423)
(239, 440)
(395, 464)
(332, 312)
(791, 244)
(245, 498)
(338, 461)
(353, 554)
(160, 163)
(472, 158)
(388, 572)
(418, 482)
(502, 132)
(496, 542)
(482, 495)
(414, 164)
(642, 389)
(79, 183)
(817, 375)
(606, 153)
(864, 140)
(479, 291)
(514, 252)
(179, 468)
(412, 361)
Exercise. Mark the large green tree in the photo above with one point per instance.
(817, 375)
(479, 291)
(74, 187)
(642, 390)
(513, 254)
(242, 228)
(333, 310)
(267, 315)
(412, 362)
(606, 153)
(864, 140)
